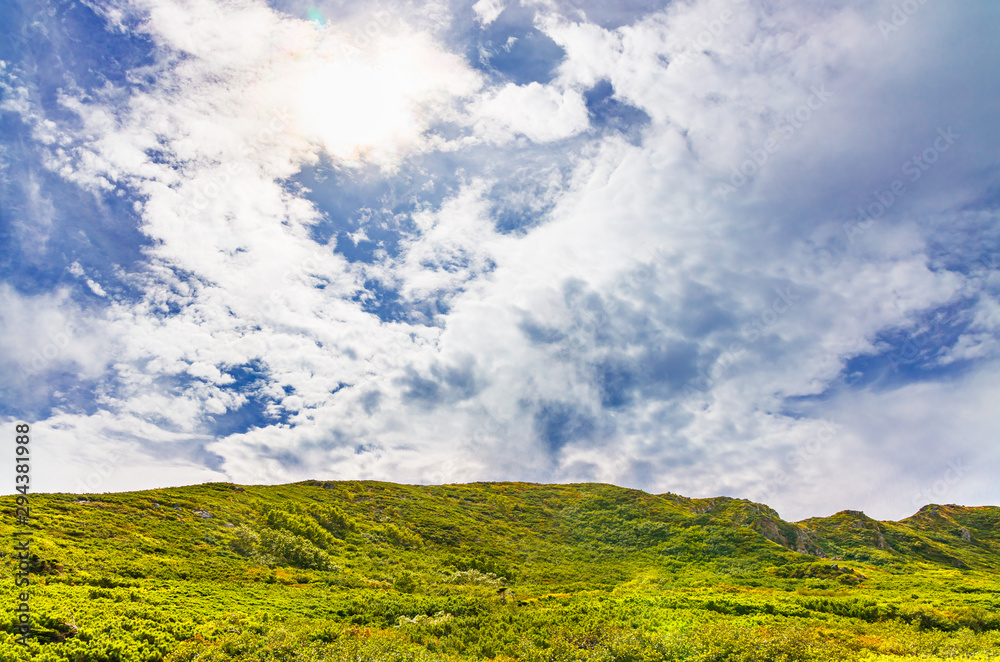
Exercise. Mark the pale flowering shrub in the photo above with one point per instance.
(475, 577)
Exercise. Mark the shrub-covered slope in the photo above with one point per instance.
(492, 569)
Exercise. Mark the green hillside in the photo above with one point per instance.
(366, 570)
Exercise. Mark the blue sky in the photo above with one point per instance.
(706, 247)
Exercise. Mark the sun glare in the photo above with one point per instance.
(354, 107)
(377, 103)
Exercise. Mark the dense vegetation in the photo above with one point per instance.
(376, 571)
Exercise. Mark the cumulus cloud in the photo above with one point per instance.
(488, 11)
(537, 112)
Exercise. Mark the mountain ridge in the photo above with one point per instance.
(206, 571)
(937, 533)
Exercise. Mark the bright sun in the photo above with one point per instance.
(374, 104)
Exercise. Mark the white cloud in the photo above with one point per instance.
(538, 112)
(454, 246)
(908, 438)
(488, 11)
(377, 105)
(96, 288)
(48, 333)
(106, 453)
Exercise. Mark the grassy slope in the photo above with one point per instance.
(510, 569)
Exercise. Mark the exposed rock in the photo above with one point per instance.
(769, 529)
(880, 539)
(805, 545)
(800, 541)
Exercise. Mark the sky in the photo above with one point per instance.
(708, 247)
